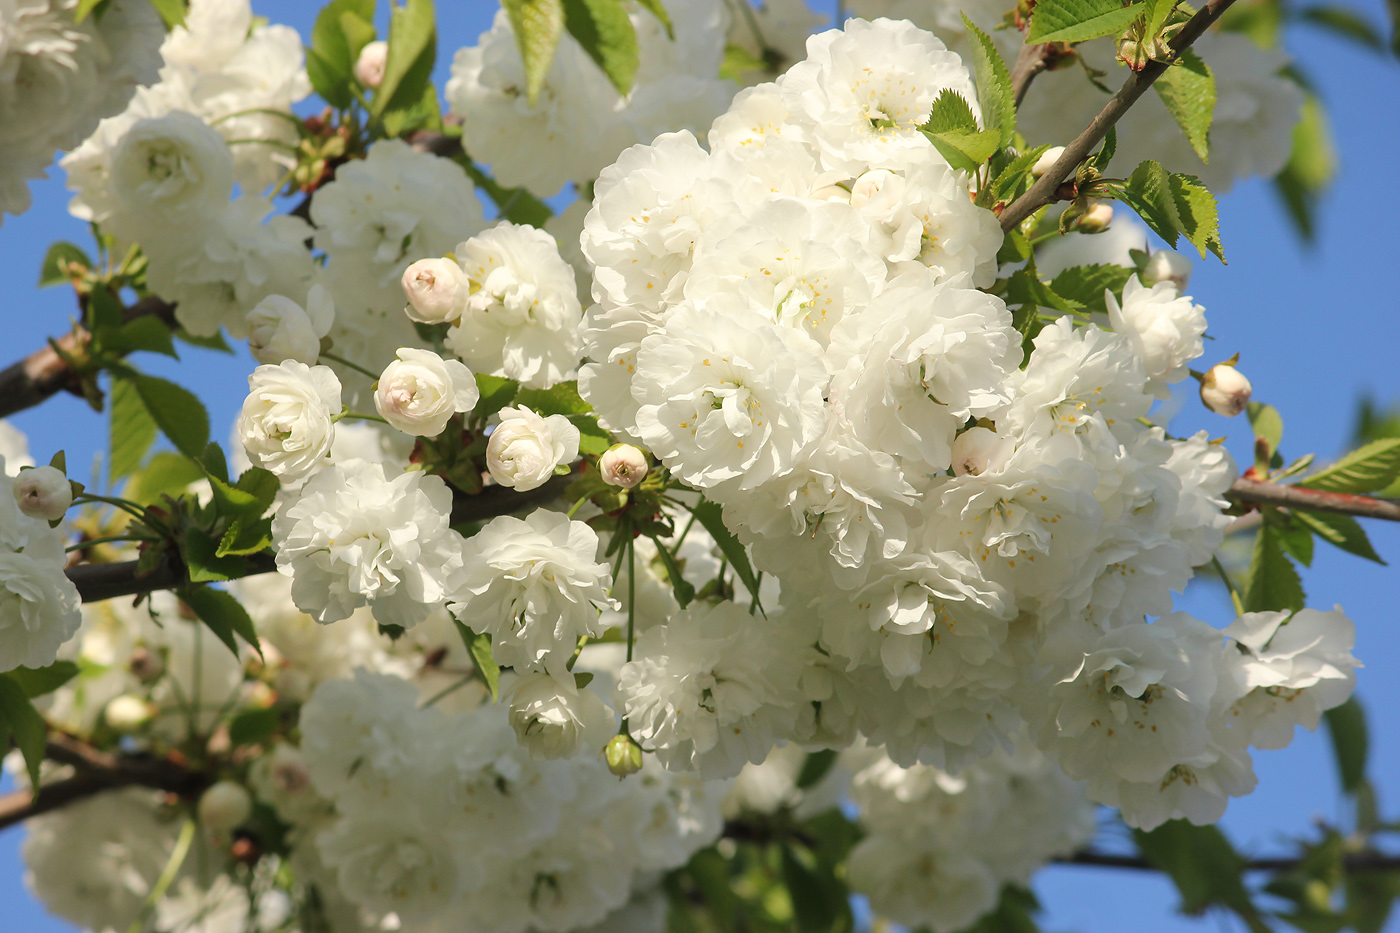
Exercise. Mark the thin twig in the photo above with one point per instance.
(1356, 862)
(1030, 61)
(1255, 492)
(1043, 191)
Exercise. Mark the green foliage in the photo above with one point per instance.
(1188, 90)
(495, 393)
(681, 587)
(60, 256)
(605, 31)
(1342, 531)
(337, 38)
(1373, 467)
(223, 614)
(166, 474)
(1346, 724)
(1205, 867)
(1010, 183)
(994, 89)
(21, 724)
(562, 398)
(538, 27)
(514, 204)
(1085, 285)
(953, 130)
(711, 518)
(253, 726)
(1268, 427)
(1078, 20)
(1155, 16)
(85, 7)
(1312, 163)
(479, 647)
(817, 765)
(1272, 582)
(409, 65)
(37, 681)
(1174, 205)
(175, 410)
(172, 11)
(133, 430)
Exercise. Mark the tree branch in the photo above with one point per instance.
(1043, 191)
(44, 372)
(1355, 862)
(1030, 61)
(1255, 492)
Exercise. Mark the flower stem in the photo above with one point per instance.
(327, 355)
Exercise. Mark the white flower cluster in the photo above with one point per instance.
(444, 821)
(38, 604)
(162, 172)
(58, 78)
(579, 122)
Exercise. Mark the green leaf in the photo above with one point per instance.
(1294, 537)
(1188, 90)
(330, 62)
(175, 410)
(21, 724)
(953, 130)
(1272, 584)
(1173, 205)
(1086, 285)
(224, 615)
(1394, 7)
(167, 473)
(818, 897)
(1156, 17)
(815, 767)
(412, 52)
(209, 342)
(1204, 865)
(424, 115)
(479, 647)
(1373, 467)
(1077, 20)
(37, 681)
(1312, 163)
(1012, 180)
(245, 537)
(496, 393)
(172, 11)
(1197, 215)
(59, 256)
(81, 11)
(560, 399)
(681, 587)
(203, 560)
(1267, 423)
(594, 439)
(147, 333)
(605, 31)
(1345, 23)
(1104, 156)
(994, 89)
(711, 517)
(538, 25)
(254, 726)
(514, 204)
(105, 312)
(1350, 742)
(133, 430)
(1341, 531)
(1026, 288)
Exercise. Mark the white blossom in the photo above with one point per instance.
(553, 718)
(437, 291)
(420, 392)
(43, 492)
(287, 422)
(525, 448)
(1164, 328)
(280, 329)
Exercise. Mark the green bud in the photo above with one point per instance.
(624, 755)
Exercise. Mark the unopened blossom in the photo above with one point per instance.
(280, 329)
(553, 718)
(288, 419)
(43, 492)
(525, 448)
(1096, 219)
(420, 391)
(623, 465)
(1047, 160)
(437, 291)
(1165, 265)
(369, 67)
(225, 806)
(978, 450)
(1225, 390)
(127, 713)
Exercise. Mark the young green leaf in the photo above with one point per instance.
(21, 724)
(56, 260)
(953, 130)
(1368, 469)
(538, 26)
(253, 726)
(168, 472)
(1342, 531)
(133, 430)
(994, 89)
(1173, 205)
(711, 517)
(681, 587)
(330, 62)
(1078, 20)
(658, 9)
(605, 31)
(562, 398)
(1106, 151)
(1340, 21)
(514, 204)
(1205, 867)
(1350, 742)
(1086, 285)
(479, 647)
(175, 410)
(1312, 162)
(1188, 90)
(1155, 17)
(147, 333)
(1271, 584)
(1009, 182)
(409, 64)
(203, 560)
(84, 7)
(1197, 215)
(37, 681)
(224, 615)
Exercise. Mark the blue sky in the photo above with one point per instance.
(1317, 331)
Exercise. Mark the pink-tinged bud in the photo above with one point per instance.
(437, 291)
(43, 492)
(979, 450)
(1225, 390)
(1047, 161)
(623, 755)
(1167, 266)
(146, 665)
(369, 67)
(1096, 219)
(224, 807)
(623, 465)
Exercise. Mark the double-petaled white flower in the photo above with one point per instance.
(525, 448)
(420, 392)
(288, 419)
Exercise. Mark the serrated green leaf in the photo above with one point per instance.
(203, 561)
(1204, 866)
(1086, 284)
(1350, 742)
(605, 31)
(1294, 537)
(21, 724)
(1012, 181)
(253, 726)
(1014, 247)
(1188, 90)
(214, 462)
(132, 431)
(1078, 20)
(329, 62)
(593, 438)
(147, 333)
(224, 615)
(409, 63)
(245, 537)
(560, 399)
(1271, 583)
(495, 393)
(168, 472)
(424, 115)
(1026, 288)
(1155, 17)
(1197, 215)
(994, 90)
(953, 130)
(514, 204)
(479, 647)
(538, 26)
(711, 517)
(1373, 467)
(262, 484)
(37, 681)
(53, 271)
(681, 587)
(1104, 156)
(1341, 531)
(176, 411)
(1173, 205)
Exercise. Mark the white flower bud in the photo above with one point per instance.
(1167, 266)
(623, 465)
(1047, 160)
(437, 291)
(369, 67)
(555, 719)
(287, 423)
(980, 450)
(525, 448)
(420, 392)
(288, 771)
(279, 329)
(224, 807)
(43, 492)
(1225, 390)
(1096, 219)
(127, 713)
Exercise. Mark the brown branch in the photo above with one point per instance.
(1255, 492)
(45, 372)
(96, 772)
(1030, 61)
(1043, 191)
(1356, 862)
